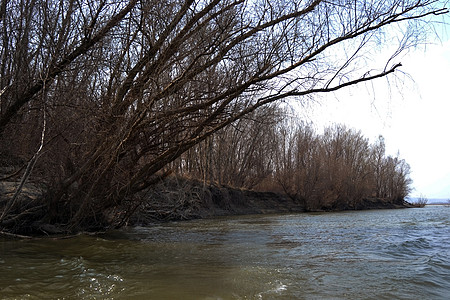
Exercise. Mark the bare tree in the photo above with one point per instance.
(338, 169)
(131, 86)
(299, 169)
(240, 155)
(421, 201)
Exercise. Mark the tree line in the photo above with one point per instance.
(337, 169)
(98, 98)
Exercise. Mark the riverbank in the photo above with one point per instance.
(175, 199)
(181, 199)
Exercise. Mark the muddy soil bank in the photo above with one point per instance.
(180, 199)
(176, 199)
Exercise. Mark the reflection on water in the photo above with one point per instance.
(385, 254)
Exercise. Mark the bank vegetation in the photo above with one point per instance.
(337, 169)
(101, 100)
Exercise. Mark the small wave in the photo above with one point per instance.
(280, 287)
(420, 243)
(409, 248)
(277, 289)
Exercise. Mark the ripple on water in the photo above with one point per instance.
(391, 254)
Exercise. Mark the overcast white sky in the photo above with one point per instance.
(413, 114)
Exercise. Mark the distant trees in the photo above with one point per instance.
(339, 169)
(240, 155)
(128, 87)
(298, 164)
(421, 201)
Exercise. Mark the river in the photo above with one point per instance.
(379, 254)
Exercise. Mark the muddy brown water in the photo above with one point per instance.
(380, 254)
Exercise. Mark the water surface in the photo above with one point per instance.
(381, 254)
